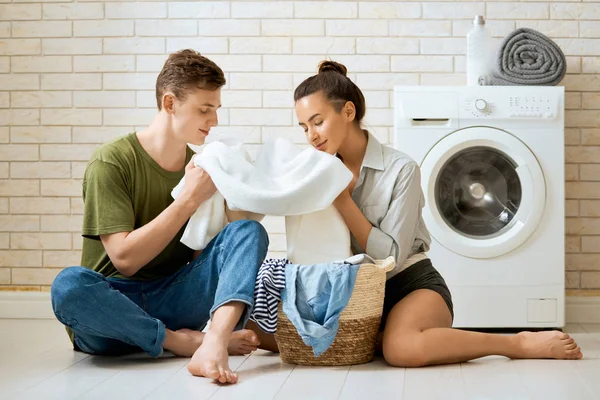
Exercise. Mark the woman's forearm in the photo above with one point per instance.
(357, 223)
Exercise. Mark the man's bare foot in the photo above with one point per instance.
(187, 341)
(211, 360)
(242, 342)
(548, 344)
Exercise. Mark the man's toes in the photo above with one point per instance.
(212, 373)
(236, 351)
(248, 348)
(250, 337)
(222, 375)
(231, 377)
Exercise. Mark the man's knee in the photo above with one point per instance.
(248, 227)
(69, 287)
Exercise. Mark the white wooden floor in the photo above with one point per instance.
(37, 362)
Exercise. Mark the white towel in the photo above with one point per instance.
(209, 219)
(284, 180)
(319, 237)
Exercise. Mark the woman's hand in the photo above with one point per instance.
(342, 198)
(346, 193)
(357, 223)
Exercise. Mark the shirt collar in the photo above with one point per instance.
(374, 155)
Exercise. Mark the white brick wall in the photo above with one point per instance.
(74, 75)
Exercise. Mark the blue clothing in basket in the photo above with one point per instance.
(315, 296)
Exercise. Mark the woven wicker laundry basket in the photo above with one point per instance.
(358, 325)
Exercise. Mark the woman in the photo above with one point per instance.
(382, 209)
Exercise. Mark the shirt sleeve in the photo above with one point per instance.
(397, 231)
(108, 207)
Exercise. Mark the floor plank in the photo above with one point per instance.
(136, 376)
(375, 380)
(70, 383)
(261, 376)
(37, 361)
(24, 339)
(492, 378)
(440, 382)
(25, 374)
(313, 383)
(553, 379)
(183, 385)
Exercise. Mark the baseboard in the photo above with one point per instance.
(582, 310)
(36, 305)
(25, 305)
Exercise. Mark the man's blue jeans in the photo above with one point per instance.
(112, 316)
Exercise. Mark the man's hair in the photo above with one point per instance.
(185, 71)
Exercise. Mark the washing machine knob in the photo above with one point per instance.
(481, 105)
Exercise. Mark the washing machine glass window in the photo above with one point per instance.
(478, 192)
(460, 170)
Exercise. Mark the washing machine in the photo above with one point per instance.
(492, 172)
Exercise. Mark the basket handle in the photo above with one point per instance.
(388, 264)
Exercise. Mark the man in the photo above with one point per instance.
(140, 287)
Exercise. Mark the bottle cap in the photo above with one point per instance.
(478, 20)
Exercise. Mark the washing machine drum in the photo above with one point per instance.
(485, 192)
(478, 191)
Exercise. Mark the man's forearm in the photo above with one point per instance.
(142, 245)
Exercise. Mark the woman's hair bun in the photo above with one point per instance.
(327, 65)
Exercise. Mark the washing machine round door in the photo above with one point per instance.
(485, 192)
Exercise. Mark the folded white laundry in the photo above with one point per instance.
(284, 180)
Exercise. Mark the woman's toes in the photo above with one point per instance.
(569, 340)
(563, 335)
(571, 346)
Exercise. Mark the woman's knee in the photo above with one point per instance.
(404, 350)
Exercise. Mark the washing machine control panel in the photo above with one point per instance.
(532, 106)
(518, 107)
(477, 107)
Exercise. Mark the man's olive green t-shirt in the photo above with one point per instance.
(123, 190)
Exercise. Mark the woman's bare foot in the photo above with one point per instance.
(185, 342)
(548, 344)
(211, 360)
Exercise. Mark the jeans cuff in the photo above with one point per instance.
(161, 334)
(240, 299)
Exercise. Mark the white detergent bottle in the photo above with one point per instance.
(479, 49)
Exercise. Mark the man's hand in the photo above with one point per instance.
(198, 186)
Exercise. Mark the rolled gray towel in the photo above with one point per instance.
(527, 57)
